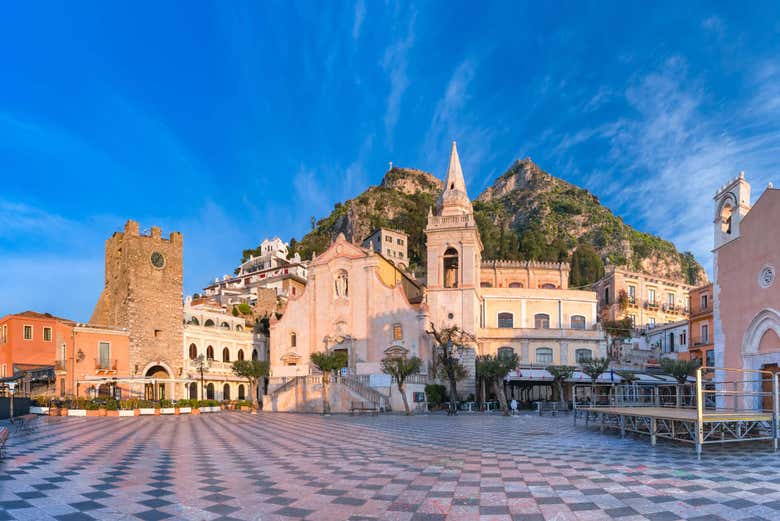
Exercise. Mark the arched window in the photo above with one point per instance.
(398, 332)
(193, 391)
(210, 353)
(726, 213)
(240, 354)
(549, 286)
(209, 323)
(241, 393)
(505, 320)
(210, 391)
(254, 354)
(583, 355)
(225, 325)
(544, 355)
(542, 321)
(226, 392)
(293, 340)
(451, 268)
(515, 284)
(505, 351)
(225, 354)
(193, 351)
(194, 321)
(577, 322)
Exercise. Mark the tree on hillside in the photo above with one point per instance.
(586, 266)
(494, 369)
(449, 343)
(327, 362)
(253, 371)
(400, 368)
(560, 374)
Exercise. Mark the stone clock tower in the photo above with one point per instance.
(143, 293)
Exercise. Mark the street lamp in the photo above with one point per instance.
(201, 364)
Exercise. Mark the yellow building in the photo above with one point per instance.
(646, 299)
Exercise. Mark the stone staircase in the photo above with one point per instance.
(304, 394)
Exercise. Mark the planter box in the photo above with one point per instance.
(196, 410)
(245, 408)
(215, 408)
(94, 412)
(185, 410)
(64, 412)
(157, 412)
(77, 412)
(112, 413)
(168, 410)
(131, 412)
(38, 410)
(147, 411)
(53, 411)
(101, 412)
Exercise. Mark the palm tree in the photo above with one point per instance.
(400, 368)
(594, 368)
(560, 374)
(447, 365)
(328, 361)
(680, 370)
(494, 369)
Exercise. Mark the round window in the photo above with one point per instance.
(767, 276)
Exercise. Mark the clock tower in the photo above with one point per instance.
(143, 294)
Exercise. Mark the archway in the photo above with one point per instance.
(210, 391)
(193, 391)
(226, 392)
(156, 390)
(241, 394)
(760, 350)
(450, 265)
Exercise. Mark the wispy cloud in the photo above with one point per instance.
(360, 15)
(395, 65)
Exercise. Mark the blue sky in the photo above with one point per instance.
(234, 121)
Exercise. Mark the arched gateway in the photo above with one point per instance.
(156, 390)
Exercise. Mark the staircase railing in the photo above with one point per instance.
(292, 382)
(366, 391)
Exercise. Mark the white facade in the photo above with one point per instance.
(669, 340)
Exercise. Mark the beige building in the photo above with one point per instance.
(524, 274)
(393, 244)
(646, 299)
(221, 339)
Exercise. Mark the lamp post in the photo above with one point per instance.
(11, 388)
(201, 364)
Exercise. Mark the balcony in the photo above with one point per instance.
(105, 365)
(701, 310)
(651, 305)
(699, 341)
(60, 365)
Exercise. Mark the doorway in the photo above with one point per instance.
(766, 387)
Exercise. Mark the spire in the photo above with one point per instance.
(454, 200)
(455, 172)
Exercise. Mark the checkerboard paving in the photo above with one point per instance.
(424, 468)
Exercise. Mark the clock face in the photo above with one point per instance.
(158, 261)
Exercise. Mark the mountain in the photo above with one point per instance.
(526, 214)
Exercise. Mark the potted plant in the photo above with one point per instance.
(92, 408)
(112, 408)
(166, 407)
(146, 407)
(39, 405)
(54, 408)
(184, 407)
(78, 407)
(128, 408)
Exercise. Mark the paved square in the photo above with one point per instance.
(283, 466)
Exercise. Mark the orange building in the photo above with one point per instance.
(702, 343)
(98, 353)
(31, 339)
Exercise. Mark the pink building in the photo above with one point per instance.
(746, 292)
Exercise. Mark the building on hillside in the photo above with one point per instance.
(264, 282)
(702, 344)
(746, 292)
(220, 338)
(393, 244)
(358, 302)
(670, 340)
(645, 299)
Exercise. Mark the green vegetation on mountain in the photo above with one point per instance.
(527, 214)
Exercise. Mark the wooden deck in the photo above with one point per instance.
(681, 414)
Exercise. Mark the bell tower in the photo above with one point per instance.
(454, 254)
(732, 202)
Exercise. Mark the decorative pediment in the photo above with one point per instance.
(291, 357)
(341, 247)
(396, 351)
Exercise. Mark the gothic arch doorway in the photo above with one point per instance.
(156, 390)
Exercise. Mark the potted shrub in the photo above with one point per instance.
(166, 407)
(78, 407)
(128, 408)
(183, 407)
(39, 405)
(112, 408)
(54, 408)
(92, 408)
(194, 407)
(146, 407)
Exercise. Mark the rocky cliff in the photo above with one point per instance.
(526, 214)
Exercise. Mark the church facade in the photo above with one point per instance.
(358, 301)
